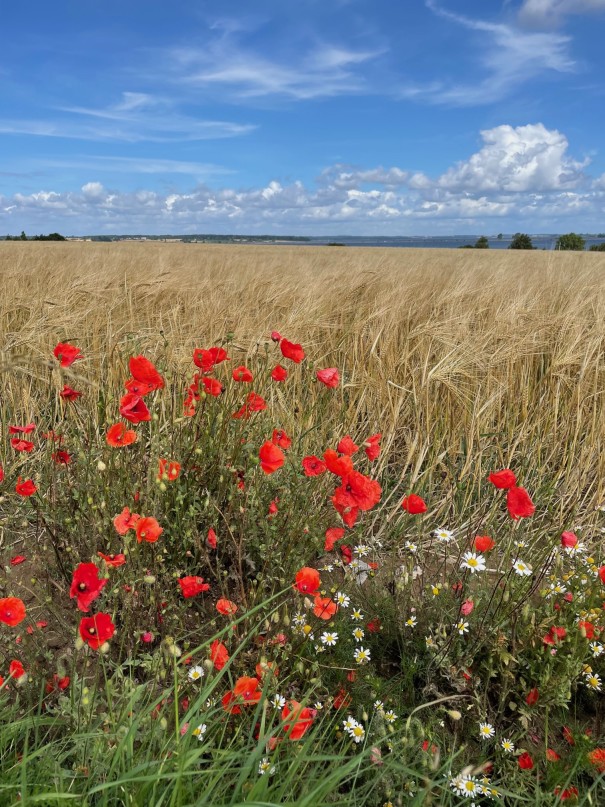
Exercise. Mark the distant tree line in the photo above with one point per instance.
(23, 237)
(565, 243)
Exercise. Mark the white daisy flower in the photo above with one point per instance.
(390, 716)
(596, 648)
(199, 731)
(473, 561)
(522, 569)
(278, 701)
(361, 655)
(593, 681)
(357, 733)
(362, 550)
(342, 599)
(461, 627)
(486, 730)
(195, 673)
(443, 535)
(358, 634)
(356, 615)
(411, 547)
(329, 638)
(411, 622)
(507, 745)
(265, 766)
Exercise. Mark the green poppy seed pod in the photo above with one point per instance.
(285, 620)
(163, 723)
(162, 487)
(199, 451)
(364, 715)
(208, 665)
(275, 617)
(101, 466)
(155, 417)
(149, 579)
(454, 714)
(79, 643)
(506, 596)
(90, 500)
(85, 701)
(104, 648)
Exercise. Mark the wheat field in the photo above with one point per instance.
(461, 358)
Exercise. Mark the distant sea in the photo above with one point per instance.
(434, 242)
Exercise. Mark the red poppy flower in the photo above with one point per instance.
(61, 457)
(519, 503)
(554, 635)
(342, 699)
(118, 435)
(125, 521)
(414, 504)
(467, 607)
(281, 439)
(348, 514)
(341, 466)
(279, 373)
(25, 488)
(292, 351)
(276, 336)
(374, 625)
(219, 655)
(313, 466)
(273, 508)
(525, 761)
(567, 735)
(532, 697)
(69, 394)
(503, 479)
(67, 354)
(139, 388)
(586, 629)
(22, 445)
(169, 470)
(113, 560)
(22, 429)
(254, 403)
(134, 408)
(16, 670)
(226, 607)
(552, 756)
(206, 359)
(330, 377)
(1, 474)
(307, 580)
(192, 586)
(569, 540)
(372, 446)
(86, 585)
(211, 539)
(148, 530)
(144, 371)
(602, 573)
(597, 758)
(242, 374)
(212, 386)
(357, 490)
(567, 793)
(333, 534)
(297, 719)
(12, 611)
(96, 630)
(347, 553)
(271, 457)
(17, 560)
(246, 690)
(483, 543)
(324, 607)
(347, 446)
(57, 683)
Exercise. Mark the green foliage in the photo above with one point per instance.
(482, 242)
(521, 241)
(570, 242)
(598, 247)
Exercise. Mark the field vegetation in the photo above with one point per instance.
(306, 588)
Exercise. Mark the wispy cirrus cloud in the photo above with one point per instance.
(227, 65)
(551, 13)
(507, 55)
(135, 118)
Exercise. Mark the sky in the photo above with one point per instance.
(302, 117)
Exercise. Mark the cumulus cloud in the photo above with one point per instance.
(522, 176)
(525, 158)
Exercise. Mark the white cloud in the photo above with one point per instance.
(522, 177)
(525, 158)
(550, 13)
(508, 57)
(136, 117)
(323, 71)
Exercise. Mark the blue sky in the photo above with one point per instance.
(302, 116)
